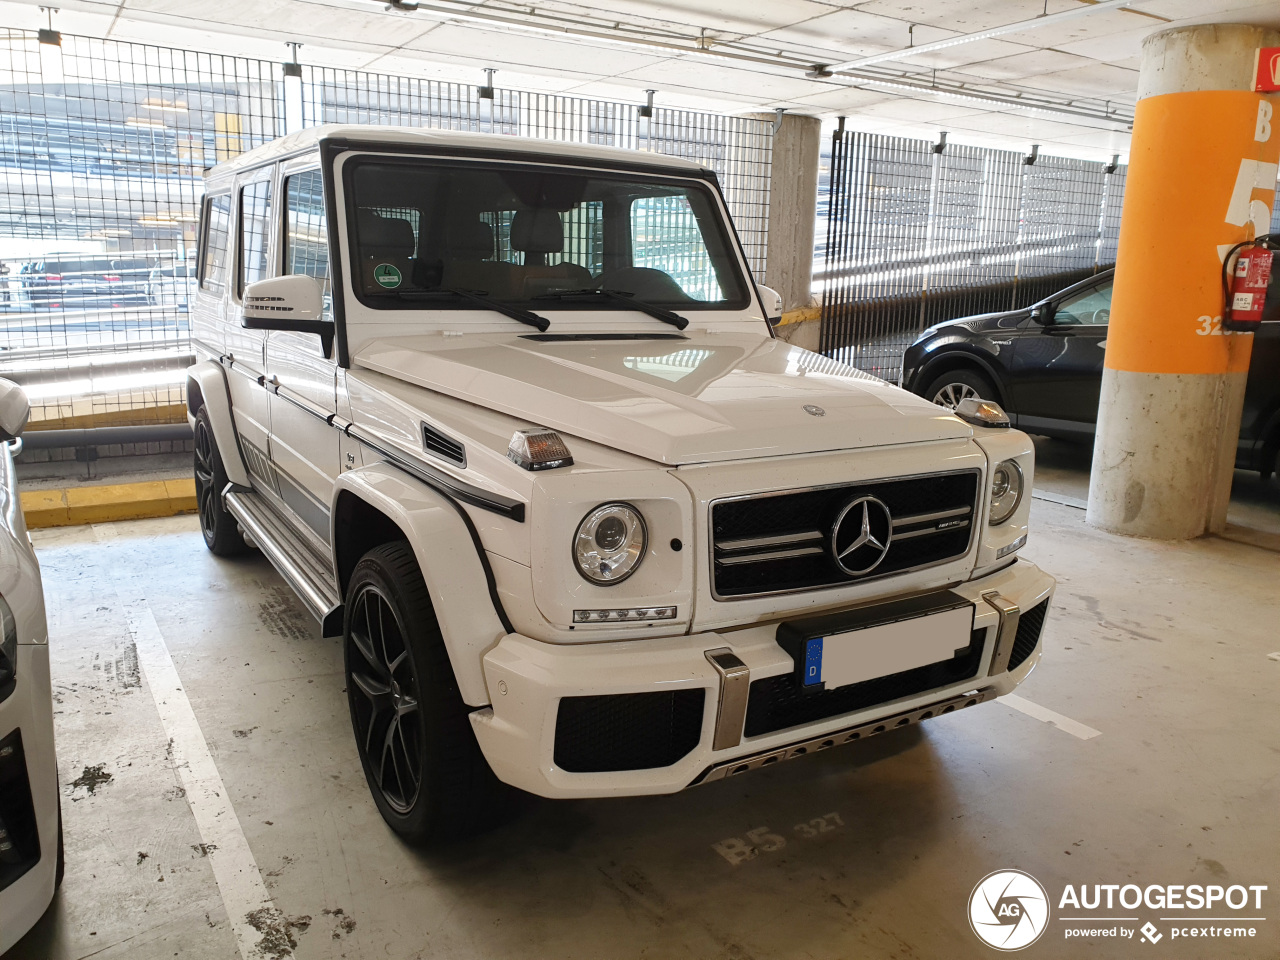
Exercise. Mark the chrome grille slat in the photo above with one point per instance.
(927, 517)
(770, 555)
(927, 531)
(755, 543)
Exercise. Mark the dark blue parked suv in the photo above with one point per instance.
(1043, 364)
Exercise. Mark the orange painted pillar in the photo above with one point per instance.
(1202, 177)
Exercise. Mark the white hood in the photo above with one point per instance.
(710, 397)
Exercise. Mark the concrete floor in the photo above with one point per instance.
(1163, 648)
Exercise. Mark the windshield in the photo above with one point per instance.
(543, 240)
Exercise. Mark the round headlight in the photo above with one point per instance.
(1006, 490)
(610, 543)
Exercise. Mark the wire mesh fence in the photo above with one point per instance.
(917, 235)
(103, 146)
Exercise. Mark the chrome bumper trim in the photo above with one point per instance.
(1006, 632)
(735, 686)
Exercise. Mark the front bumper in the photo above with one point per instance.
(28, 796)
(527, 680)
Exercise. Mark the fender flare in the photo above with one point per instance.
(960, 358)
(207, 387)
(449, 556)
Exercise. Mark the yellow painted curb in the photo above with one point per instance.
(122, 501)
(800, 316)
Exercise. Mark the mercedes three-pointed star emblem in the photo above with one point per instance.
(861, 535)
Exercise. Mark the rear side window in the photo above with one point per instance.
(306, 230)
(214, 264)
(255, 232)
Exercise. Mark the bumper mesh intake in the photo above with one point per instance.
(628, 731)
(1030, 624)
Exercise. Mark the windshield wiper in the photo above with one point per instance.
(506, 309)
(621, 296)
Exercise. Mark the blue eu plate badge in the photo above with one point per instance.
(813, 662)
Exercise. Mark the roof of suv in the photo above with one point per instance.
(450, 140)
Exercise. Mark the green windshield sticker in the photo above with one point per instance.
(386, 275)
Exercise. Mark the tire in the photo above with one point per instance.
(220, 530)
(1269, 458)
(60, 867)
(421, 760)
(956, 385)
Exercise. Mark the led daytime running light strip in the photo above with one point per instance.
(630, 613)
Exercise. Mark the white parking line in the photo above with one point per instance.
(234, 868)
(1061, 498)
(1066, 724)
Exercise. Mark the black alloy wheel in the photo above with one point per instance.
(220, 530)
(421, 760)
(385, 699)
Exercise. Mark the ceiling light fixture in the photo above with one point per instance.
(50, 36)
(291, 71)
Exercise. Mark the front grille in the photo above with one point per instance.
(627, 731)
(1029, 626)
(780, 542)
(776, 703)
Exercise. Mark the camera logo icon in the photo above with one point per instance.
(1008, 910)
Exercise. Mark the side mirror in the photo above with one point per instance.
(1042, 313)
(14, 410)
(772, 303)
(288, 303)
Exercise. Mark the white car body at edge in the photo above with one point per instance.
(28, 712)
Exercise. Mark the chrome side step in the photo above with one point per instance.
(732, 768)
(309, 574)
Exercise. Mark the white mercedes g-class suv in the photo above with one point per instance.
(509, 417)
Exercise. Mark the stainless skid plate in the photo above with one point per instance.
(862, 731)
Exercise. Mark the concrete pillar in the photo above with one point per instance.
(1202, 176)
(793, 207)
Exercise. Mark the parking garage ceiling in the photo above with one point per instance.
(1061, 73)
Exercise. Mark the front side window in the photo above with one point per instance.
(214, 265)
(255, 232)
(422, 230)
(306, 230)
(1090, 308)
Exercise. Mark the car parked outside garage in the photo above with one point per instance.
(79, 281)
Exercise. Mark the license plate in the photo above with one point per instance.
(839, 659)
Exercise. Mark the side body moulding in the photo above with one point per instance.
(456, 574)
